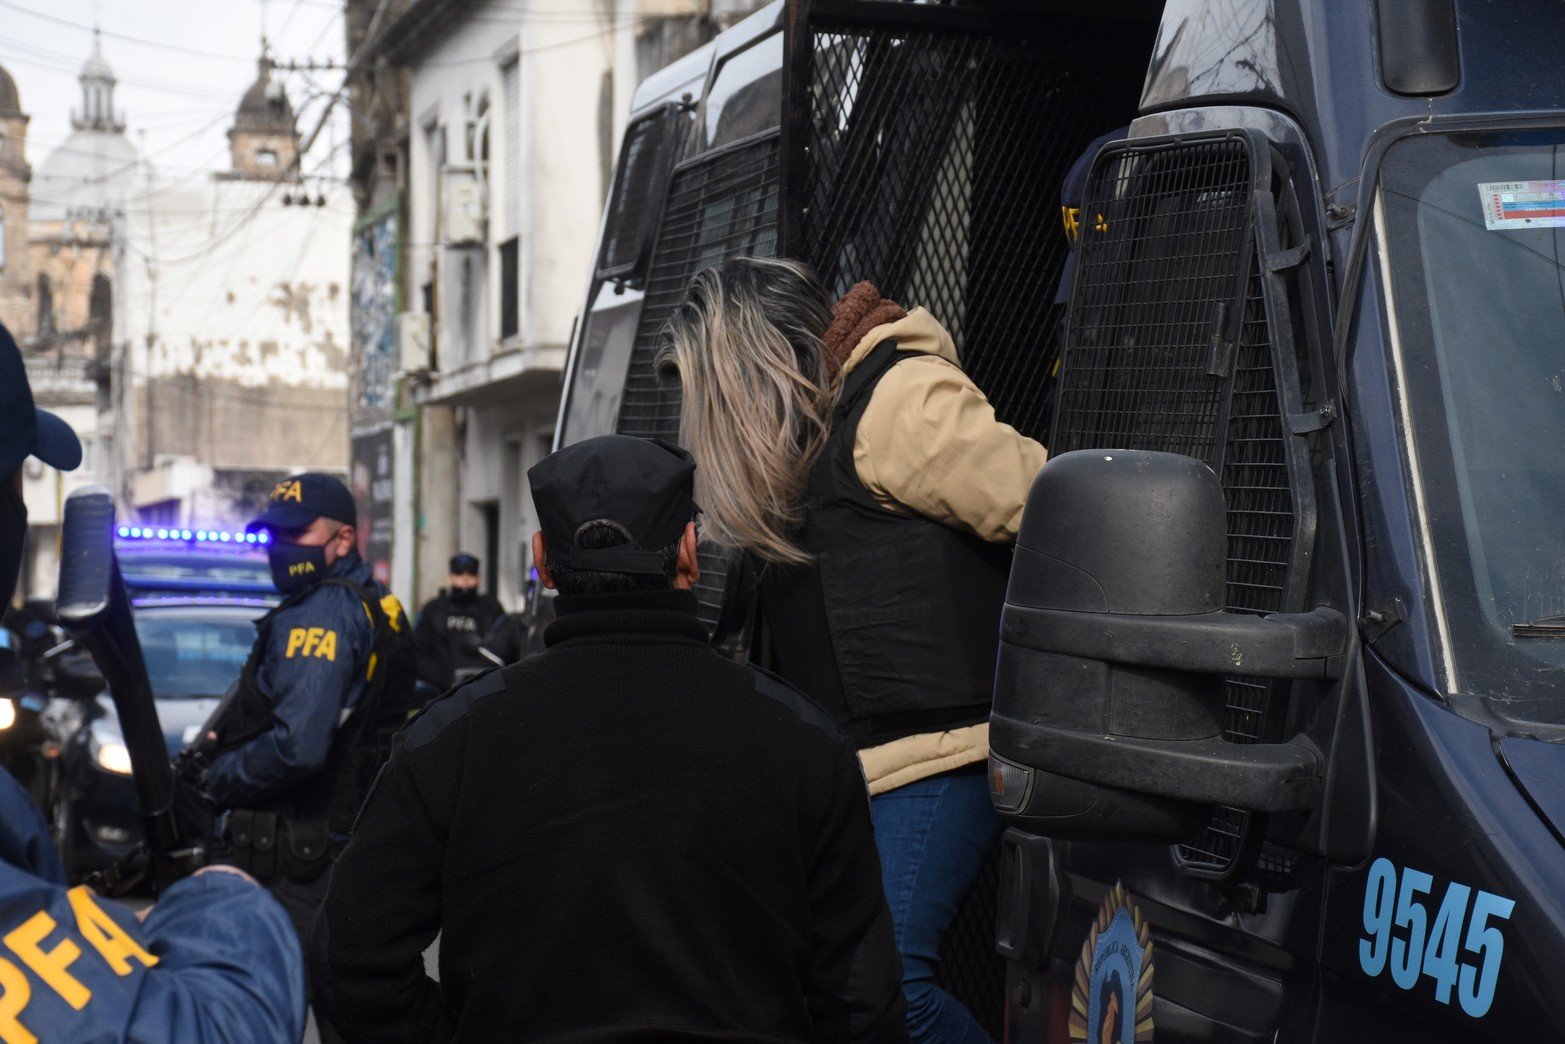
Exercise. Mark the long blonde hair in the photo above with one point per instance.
(746, 345)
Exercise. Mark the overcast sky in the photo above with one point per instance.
(182, 66)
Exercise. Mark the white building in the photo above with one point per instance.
(233, 318)
(512, 118)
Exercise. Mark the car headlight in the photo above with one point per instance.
(114, 757)
(7, 714)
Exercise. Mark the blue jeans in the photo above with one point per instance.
(934, 836)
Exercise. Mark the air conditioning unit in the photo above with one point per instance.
(461, 208)
(413, 353)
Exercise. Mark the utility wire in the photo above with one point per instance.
(141, 40)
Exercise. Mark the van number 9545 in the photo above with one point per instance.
(1400, 935)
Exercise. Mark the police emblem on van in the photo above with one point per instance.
(1111, 999)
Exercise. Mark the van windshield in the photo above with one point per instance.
(1474, 226)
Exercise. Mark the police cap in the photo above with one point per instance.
(298, 500)
(25, 430)
(645, 486)
(462, 562)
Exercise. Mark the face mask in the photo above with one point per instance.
(294, 566)
(13, 538)
(463, 595)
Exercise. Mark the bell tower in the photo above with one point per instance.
(263, 144)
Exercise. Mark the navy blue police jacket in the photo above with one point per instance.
(215, 960)
(314, 671)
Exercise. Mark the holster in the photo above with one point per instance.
(307, 849)
(268, 845)
(252, 842)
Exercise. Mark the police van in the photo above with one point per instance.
(1279, 721)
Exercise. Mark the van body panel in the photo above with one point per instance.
(1451, 810)
(1415, 778)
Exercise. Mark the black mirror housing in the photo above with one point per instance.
(1109, 695)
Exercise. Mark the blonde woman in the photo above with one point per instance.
(842, 448)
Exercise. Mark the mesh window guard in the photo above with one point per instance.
(1173, 345)
(929, 162)
(719, 206)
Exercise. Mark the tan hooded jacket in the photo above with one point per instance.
(929, 443)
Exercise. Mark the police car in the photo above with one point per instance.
(196, 596)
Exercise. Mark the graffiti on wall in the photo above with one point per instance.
(373, 311)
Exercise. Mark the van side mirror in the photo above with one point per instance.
(1109, 695)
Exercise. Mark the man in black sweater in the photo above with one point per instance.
(626, 837)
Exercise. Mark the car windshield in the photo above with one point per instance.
(1474, 228)
(195, 651)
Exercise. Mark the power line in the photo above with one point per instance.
(143, 41)
(43, 58)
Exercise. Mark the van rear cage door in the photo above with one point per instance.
(923, 149)
(1180, 340)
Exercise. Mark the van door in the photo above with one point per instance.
(923, 149)
(1191, 331)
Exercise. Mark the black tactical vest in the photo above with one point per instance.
(895, 623)
(362, 741)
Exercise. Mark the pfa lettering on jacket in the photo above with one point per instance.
(311, 641)
(54, 954)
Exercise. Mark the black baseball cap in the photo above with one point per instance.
(298, 500)
(462, 562)
(25, 430)
(645, 486)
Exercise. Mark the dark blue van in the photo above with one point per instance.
(1279, 718)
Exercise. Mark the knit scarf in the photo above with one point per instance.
(860, 311)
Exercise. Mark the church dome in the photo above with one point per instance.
(90, 172)
(97, 67)
(10, 100)
(265, 107)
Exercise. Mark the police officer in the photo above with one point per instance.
(625, 837)
(330, 677)
(214, 959)
(452, 626)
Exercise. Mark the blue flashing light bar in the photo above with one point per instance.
(187, 536)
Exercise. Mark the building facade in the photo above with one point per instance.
(481, 171)
(63, 251)
(194, 331)
(234, 320)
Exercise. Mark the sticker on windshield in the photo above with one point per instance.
(1522, 204)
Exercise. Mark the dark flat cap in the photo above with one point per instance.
(645, 486)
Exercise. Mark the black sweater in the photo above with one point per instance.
(626, 837)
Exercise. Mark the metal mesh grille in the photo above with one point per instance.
(1260, 542)
(1167, 259)
(933, 170)
(718, 207)
(1164, 238)
(970, 968)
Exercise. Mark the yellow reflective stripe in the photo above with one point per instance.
(393, 610)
